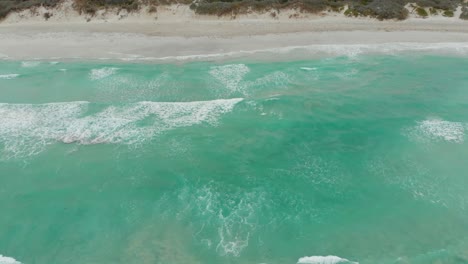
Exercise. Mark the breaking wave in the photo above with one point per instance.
(25, 129)
(8, 260)
(8, 76)
(30, 64)
(231, 76)
(324, 260)
(97, 74)
(434, 130)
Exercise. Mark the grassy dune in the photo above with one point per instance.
(380, 9)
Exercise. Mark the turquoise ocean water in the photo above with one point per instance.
(338, 159)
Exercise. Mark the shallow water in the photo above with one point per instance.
(329, 160)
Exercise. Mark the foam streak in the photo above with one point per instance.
(25, 129)
(324, 260)
(8, 260)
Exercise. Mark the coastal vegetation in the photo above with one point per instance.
(380, 9)
(92, 6)
(464, 13)
(7, 6)
(448, 13)
(421, 12)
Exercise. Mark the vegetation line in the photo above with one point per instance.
(380, 9)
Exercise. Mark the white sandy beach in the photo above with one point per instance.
(176, 33)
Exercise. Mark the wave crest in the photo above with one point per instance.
(97, 74)
(231, 76)
(30, 64)
(8, 260)
(324, 260)
(8, 76)
(433, 130)
(25, 129)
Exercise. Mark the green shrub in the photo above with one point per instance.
(380, 9)
(164, 2)
(217, 8)
(351, 13)
(152, 9)
(92, 6)
(7, 6)
(421, 12)
(313, 6)
(234, 7)
(464, 13)
(448, 13)
(439, 4)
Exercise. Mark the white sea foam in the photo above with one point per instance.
(30, 64)
(324, 260)
(433, 130)
(130, 88)
(26, 129)
(234, 214)
(97, 74)
(231, 76)
(416, 178)
(350, 50)
(277, 78)
(347, 74)
(308, 68)
(9, 76)
(236, 226)
(8, 260)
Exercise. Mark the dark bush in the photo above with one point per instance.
(421, 12)
(217, 8)
(448, 13)
(164, 2)
(464, 13)
(7, 6)
(439, 4)
(91, 6)
(47, 15)
(351, 12)
(239, 6)
(380, 9)
(313, 6)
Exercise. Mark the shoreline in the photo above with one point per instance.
(137, 47)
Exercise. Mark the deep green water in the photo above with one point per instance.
(363, 157)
